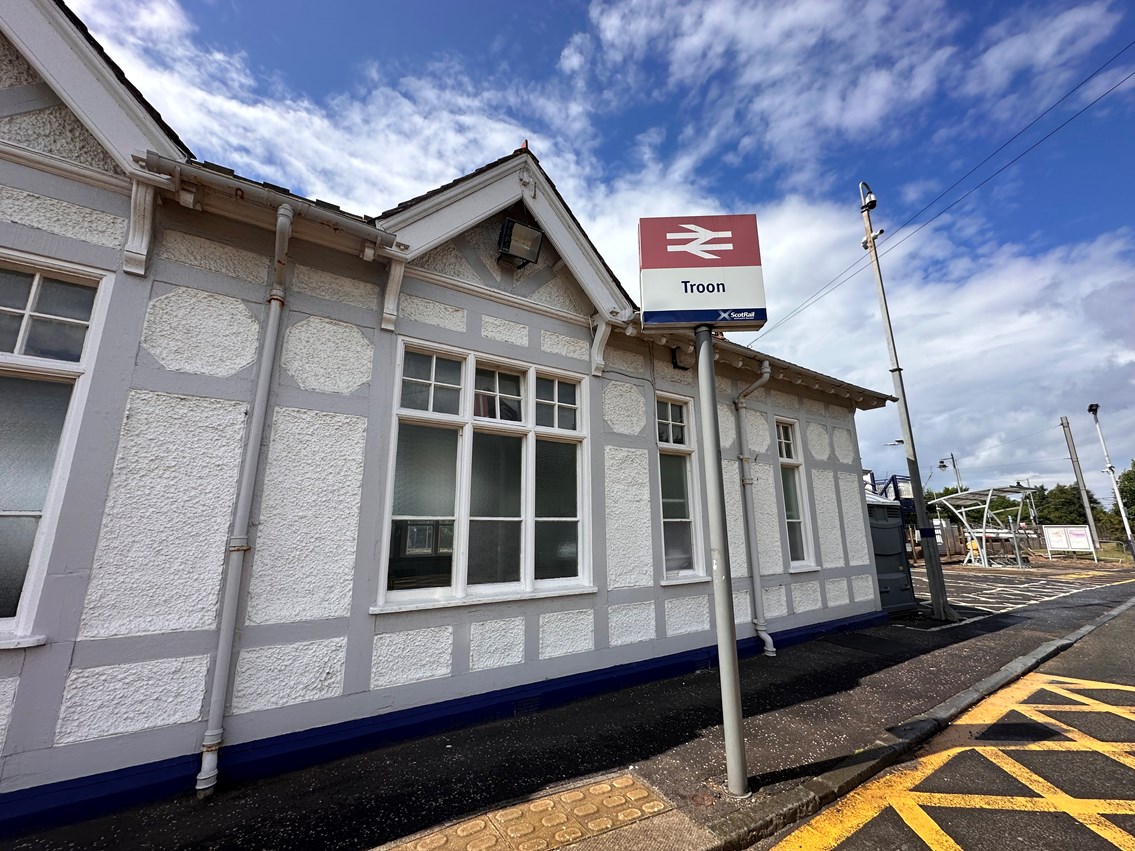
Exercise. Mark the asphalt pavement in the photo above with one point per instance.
(640, 768)
(1045, 763)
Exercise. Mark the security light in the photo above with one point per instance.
(519, 243)
(867, 200)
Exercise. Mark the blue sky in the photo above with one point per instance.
(1011, 309)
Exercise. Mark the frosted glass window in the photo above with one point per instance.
(425, 472)
(494, 543)
(486, 495)
(31, 422)
(494, 551)
(17, 535)
(557, 507)
(790, 473)
(677, 527)
(556, 476)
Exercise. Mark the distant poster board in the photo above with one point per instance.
(1076, 539)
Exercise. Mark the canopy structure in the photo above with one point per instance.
(965, 506)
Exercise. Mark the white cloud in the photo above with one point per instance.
(996, 340)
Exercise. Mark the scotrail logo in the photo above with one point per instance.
(699, 241)
(734, 315)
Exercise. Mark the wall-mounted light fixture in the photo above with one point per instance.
(520, 244)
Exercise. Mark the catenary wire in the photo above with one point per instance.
(839, 279)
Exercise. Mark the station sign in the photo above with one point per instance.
(701, 270)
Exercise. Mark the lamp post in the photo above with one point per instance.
(1094, 410)
(957, 472)
(943, 611)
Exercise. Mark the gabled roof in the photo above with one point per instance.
(122, 78)
(424, 222)
(63, 52)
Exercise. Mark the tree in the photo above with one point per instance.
(1126, 481)
(1061, 506)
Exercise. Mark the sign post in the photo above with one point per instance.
(702, 272)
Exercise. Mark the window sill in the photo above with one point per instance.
(475, 601)
(803, 568)
(8, 641)
(685, 580)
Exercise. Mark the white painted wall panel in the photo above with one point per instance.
(284, 674)
(204, 333)
(624, 407)
(851, 495)
(323, 284)
(7, 698)
(770, 560)
(304, 561)
(160, 554)
(431, 312)
(862, 587)
(757, 427)
(818, 444)
(836, 592)
(562, 633)
(407, 657)
(504, 330)
(214, 257)
(568, 347)
(726, 425)
(827, 518)
(806, 596)
(844, 445)
(630, 553)
(775, 600)
(629, 623)
(742, 608)
(495, 644)
(327, 356)
(734, 518)
(116, 699)
(60, 217)
(687, 614)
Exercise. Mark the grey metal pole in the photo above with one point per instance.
(1093, 409)
(728, 668)
(1080, 481)
(957, 472)
(943, 611)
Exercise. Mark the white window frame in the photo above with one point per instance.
(17, 631)
(795, 463)
(687, 450)
(466, 424)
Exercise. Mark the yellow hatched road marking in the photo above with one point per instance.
(926, 828)
(895, 790)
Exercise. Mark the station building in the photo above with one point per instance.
(277, 479)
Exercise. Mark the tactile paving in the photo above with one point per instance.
(549, 822)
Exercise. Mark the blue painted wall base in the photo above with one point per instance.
(87, 797)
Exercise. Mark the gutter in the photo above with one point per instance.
(747, 505)
(238, 546)
(175, 172)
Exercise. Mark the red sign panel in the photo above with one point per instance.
(691, 242)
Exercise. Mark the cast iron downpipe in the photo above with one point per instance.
(747, 505)
(238, 541)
